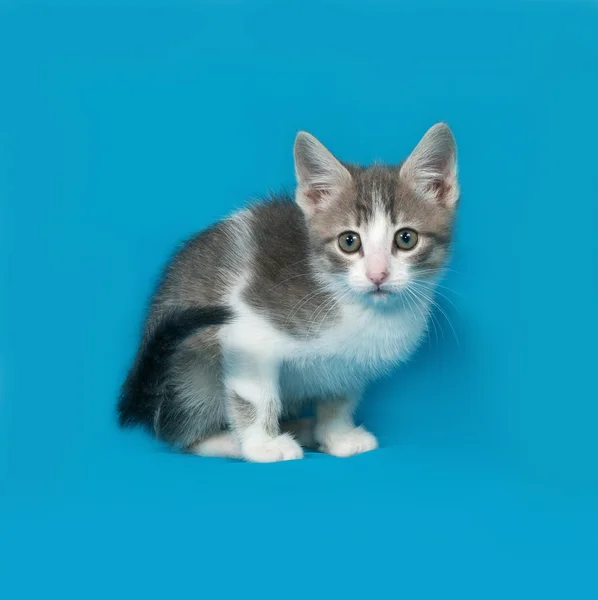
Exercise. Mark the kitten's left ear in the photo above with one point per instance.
(320, 176)
(431, 168)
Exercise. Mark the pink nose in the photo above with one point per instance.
(377, 277)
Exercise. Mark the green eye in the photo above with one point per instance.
(406, 239)
(349, 241)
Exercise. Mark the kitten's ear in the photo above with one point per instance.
(320, 176)
(431, 168)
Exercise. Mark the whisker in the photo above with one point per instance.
(441, 310)
(416, 302)
(313, 321)
(433, 319)
(410, 309)
(441, 271)
(335, 300)
(437, 285)
(435, 291)
(288, 279)
(301, 302)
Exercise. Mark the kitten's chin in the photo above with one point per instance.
(385, 298)
(380, 295)
(380, 299)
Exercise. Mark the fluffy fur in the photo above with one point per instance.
(265, 313)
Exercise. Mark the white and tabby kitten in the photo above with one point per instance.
(295, 303)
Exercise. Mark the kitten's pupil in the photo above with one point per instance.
(406, 237)
(350, 240)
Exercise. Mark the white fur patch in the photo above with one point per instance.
(282, 447)
(348, 443)
(223, 444)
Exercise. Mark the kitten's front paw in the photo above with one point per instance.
(348, 443)
(283, 447)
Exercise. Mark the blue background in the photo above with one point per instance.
(125, 127)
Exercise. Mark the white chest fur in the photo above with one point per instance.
(361, 345)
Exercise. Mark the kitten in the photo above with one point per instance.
(289, 303)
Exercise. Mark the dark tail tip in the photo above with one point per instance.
(145, 382)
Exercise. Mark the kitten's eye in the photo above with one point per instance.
(406, 239)
(349, 241)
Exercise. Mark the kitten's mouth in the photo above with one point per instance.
(379, 293)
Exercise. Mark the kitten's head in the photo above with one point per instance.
(378, 229)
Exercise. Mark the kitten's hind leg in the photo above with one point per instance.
(223, 444)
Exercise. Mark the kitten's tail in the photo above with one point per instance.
(146, 381)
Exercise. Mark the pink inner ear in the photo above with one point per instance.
(316, 195)
(440, 188)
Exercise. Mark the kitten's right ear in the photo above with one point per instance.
(320, 176)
